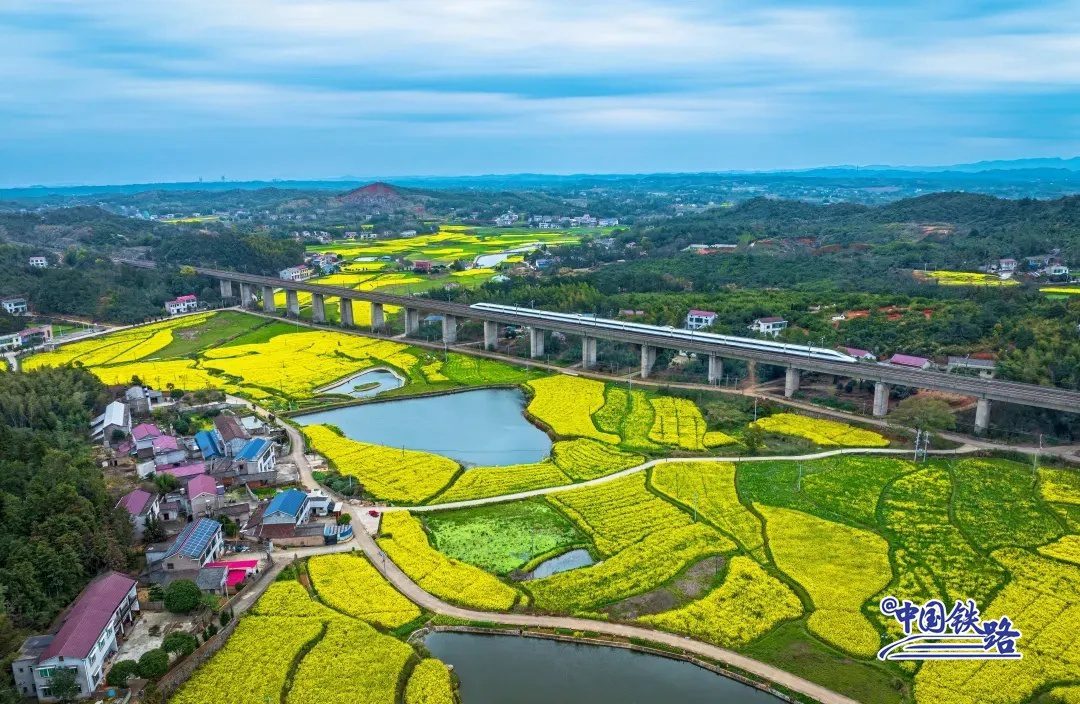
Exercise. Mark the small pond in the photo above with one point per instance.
(481, 427)
(562, 563)
(366, 384)
(512, 669)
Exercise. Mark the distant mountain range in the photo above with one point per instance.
(1015, 170)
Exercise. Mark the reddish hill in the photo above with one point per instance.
(378, 193)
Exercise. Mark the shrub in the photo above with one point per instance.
(153, 664)
(121, 671)
(182, 596)
(180, 643)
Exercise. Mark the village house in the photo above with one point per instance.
(198, 543)
(1006, 265)
(87, 637)
(30, 337)
(183, 471)
(141, 400)
(144, 435)
(769, 326)
(983, 368)
(182, 304)
(112, 425)
(203, 495)
(39, 262)
(14, 305)
(209, 444)
(141, 505)
(910, 361)
(168, 450)
(230, 433)
(698, 319)
(255, 457)
(283, 520)
(857, 353)
(296, 273)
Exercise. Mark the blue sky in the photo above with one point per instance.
(119, 91)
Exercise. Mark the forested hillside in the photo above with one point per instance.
(58, 526)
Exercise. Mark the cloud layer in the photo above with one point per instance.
(113, 90)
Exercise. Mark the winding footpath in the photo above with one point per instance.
(428, 601)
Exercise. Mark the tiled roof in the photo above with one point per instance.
(856, 352)
(253, 448)
(184, 470)
(907, 360)
(201, 484)
(145, 430)
(89, 616)
(229, 427)
(771, 319)
(211, 578)
(166, 443)
(274, 531)
(194, 538)
(207, 444)
(136, 501)
(289, 501)
(702, 313)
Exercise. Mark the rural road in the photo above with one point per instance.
(428, 601)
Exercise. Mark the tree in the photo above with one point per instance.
(923, 413)
(153, 664)
(166, 483)
(121, 671)
(154, 531)
(182, 596)
(344, 519)
(180, 643)
(63, 684)
(753, 438)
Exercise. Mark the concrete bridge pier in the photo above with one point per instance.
(346, 312)
(268, 299)
(412, 321)
(716, 369)
(247, 295)
(751, 373)
(226, 288)
(982, 415)
(378, 317)
(648, 360)
(588, 352)
(318, 308)
(491, 335)
(449, 329)
(791, 381)
(536, 343)
(881, 399)
(292, 303)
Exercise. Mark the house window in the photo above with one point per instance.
(45, 673)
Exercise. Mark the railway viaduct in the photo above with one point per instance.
(795, 359)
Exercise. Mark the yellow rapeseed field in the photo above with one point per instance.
(430, 683)
(749, 604)
(390, 473)
(827, 433)
(839, 566)
(566, 404)
(967, 278)
(352, 663)
(349, 583)
(407, 545)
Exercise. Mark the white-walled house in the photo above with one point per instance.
(141, 505)
(698, 319)
(115, 417)
(255, 457)
(182, 304)
(39, 262)
(769, 326)
(230, 433)
(87, 637)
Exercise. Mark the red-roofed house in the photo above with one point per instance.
(182, 471)
(698, 319)
(910, 361)
(239, 570)
(141, 506)
(202, 495)
(182, 304)
(86, 639)
(144, 435)
(168, 450)
(860, 354)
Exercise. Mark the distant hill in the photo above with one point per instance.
(373, 194)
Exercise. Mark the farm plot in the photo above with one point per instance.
(983, 487)
(350, 584)
(430, 683)
(502, 537)
(827, 433)
(618, 513)
(566, 404)
(749, 603)
(839, 566)
(678, 422)
(405, 543)
(643, 566)
(709, 488)
(628, 414)
(394, 474)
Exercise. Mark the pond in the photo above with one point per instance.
(366, 384)
(481, 427)
(503, 669)
(562, 563)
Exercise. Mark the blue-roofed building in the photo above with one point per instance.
(198, 543)
(291, 506)
(255, 457)
(209, 444)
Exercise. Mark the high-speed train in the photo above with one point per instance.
(747, 343)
